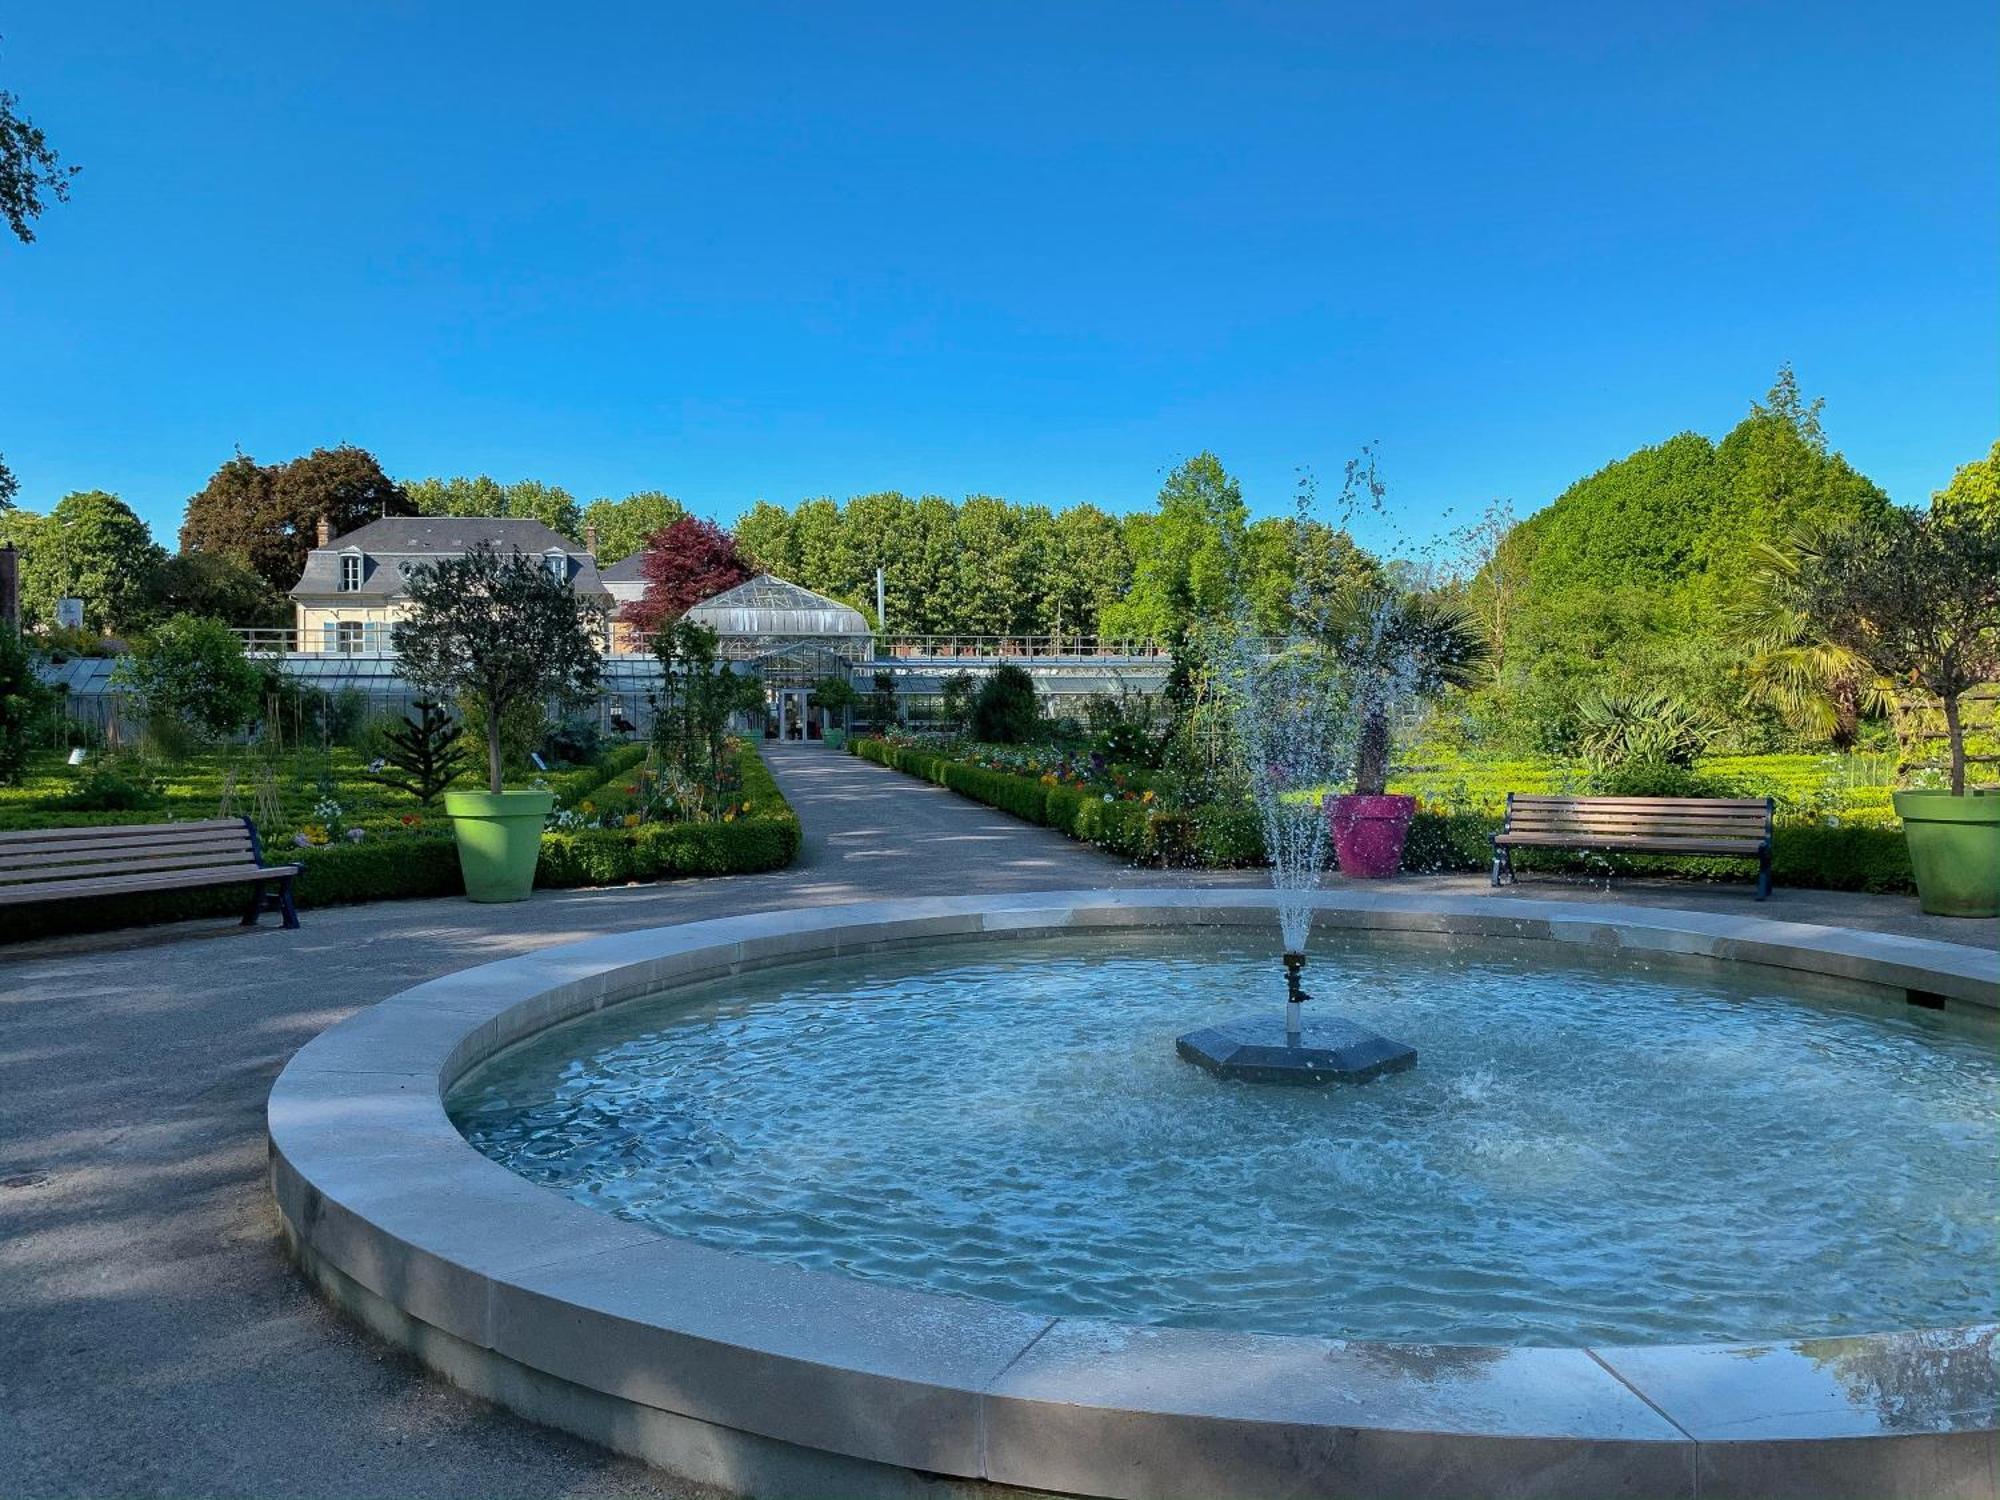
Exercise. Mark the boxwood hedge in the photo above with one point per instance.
(1848, 856)
(399, 865)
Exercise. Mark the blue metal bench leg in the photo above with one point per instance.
(256, 906)
(1764, 876)
(285, 902)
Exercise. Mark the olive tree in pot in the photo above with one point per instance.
(1396, 648)
(498, 629)
(1916, 596)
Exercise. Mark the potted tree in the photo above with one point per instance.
(837, 696)
(1916, 596)
(1396, 647)
(497, 630)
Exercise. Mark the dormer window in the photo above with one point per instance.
(350, 572)
(558, 565)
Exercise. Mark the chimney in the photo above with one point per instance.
(590, 540)
(325, 531)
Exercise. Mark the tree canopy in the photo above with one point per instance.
(29, 167)
(690, 561)
(622, 526)
(482, 495)
(497, 631)
(91, 546)
(267, 516)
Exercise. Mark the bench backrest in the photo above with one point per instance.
(47, 854)
(1641, 817)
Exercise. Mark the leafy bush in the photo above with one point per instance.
(1659, 778)
(23, 702)
(191, 673)
(1005, 710)
(113, 784)
(576, 741)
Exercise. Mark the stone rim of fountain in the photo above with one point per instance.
(762, 1377)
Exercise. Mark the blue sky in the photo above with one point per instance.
(1043, 251)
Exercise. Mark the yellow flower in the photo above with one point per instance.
(730, 816)
(631, 820)
(587, 806)
(746, 807)
(1149, 795)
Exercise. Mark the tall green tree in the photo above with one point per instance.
(92, 547)
(987, 585)
(1294, 560)
(267, 516)
(1185, 558)
(9, 486)
(1087, 568)
(765, 535)
(622, 526)
(1974, 488)
(215, 586)
(482, 495)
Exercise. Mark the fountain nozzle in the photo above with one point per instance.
(1295, 995)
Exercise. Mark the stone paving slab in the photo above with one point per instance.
(158, 1343)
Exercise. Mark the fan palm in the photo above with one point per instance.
(1399, 646)
(1816, 684)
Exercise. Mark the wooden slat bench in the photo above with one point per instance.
(54, 864)
(1738, 826)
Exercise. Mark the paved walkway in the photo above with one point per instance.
(153, 1341)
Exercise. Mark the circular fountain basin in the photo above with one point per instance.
(743, 1365)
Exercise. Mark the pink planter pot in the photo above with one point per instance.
(1368, 833)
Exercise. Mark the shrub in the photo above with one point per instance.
(1005, 711)
(575, 741)
(1658, 778)
(1651, 727)
(191, 674)
(113, 784)
(23, 702)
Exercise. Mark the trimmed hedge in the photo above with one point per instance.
(1852, 856)
(406, 866)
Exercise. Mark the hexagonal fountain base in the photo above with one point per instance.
(1329, 1049)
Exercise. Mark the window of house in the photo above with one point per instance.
(349, 636)
(558, 566)
(350, 572)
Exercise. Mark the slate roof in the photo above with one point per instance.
(395, 543)
(625, 570)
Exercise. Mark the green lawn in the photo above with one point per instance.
(1807, 788)
(305, 787)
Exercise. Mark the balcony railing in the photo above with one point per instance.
(371, 638)
(956, 647)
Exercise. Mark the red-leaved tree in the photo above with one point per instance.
(685, 563)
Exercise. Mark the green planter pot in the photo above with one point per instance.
(499, 841)
(835, 738)
(1955, 851)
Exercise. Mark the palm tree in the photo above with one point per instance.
(1400, 646)
(1816, 684)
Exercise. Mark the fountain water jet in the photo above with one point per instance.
(1299, 707)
